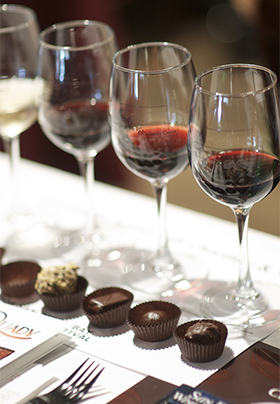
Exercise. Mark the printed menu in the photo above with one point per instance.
(25, 337)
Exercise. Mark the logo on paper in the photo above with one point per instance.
(14, 330)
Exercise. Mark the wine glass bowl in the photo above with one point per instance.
(19, 33)
(74, 66)
(75, 116)
(234, 156)
(150, 91)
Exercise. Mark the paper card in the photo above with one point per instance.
(251, 377)
(24, 337)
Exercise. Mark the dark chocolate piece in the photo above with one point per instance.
(106, 302)
(203, 332)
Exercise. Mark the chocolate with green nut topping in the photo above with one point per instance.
(57, 279)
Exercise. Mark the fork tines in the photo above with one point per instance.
(73, 389)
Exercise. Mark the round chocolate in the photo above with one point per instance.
(199, 341)
(153, 321)
(203, 332)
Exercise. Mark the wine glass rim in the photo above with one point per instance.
(74, 24)
(17, 8)
(236, 66)
(149, 45)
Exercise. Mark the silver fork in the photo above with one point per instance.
(72, 390)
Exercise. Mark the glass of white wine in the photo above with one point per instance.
(19, 33)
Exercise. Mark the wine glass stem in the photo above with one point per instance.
(245, 287)
(160, 192)
(12, 148)
(87, 170)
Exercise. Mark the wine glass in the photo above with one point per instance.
(150, 93)
(234, 156)
(19, 34)
(74, 63)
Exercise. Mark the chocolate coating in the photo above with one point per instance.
(106, 302)
(203, 332)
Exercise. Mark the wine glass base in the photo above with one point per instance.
(75, 245)
(35, 242)
(31, 235)
(71, 240)
(46, 241)
(104, 267)
(162, 277)
(223, 304)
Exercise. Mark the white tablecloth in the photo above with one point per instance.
(207, 244)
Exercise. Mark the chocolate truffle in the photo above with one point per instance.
(57, 280)
(201, 340)
(107, 307)
(60, 287)
(17, 278)
(153, 321)
(68, 301)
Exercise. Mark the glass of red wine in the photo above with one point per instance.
(74, 66)
(150, 92)
(234, 152)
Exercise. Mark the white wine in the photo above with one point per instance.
(18, 109)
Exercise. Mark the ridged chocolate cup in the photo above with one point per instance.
(108, 317)
(153, 330)
(67, 301)
(18, 278)
(195, 352)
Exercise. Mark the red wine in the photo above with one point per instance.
(155, 151)
(238, 178)
(159, 138)
(76, 126)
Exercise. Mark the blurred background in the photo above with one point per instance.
(215, 32)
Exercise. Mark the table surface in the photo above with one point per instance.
(206, 246)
